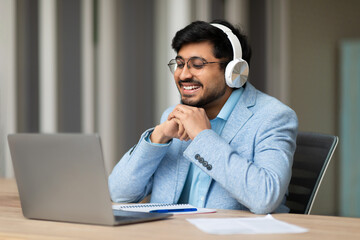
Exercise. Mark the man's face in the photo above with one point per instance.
(206, 89)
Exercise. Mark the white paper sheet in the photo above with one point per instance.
(245, 225)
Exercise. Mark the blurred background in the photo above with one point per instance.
(100, 66)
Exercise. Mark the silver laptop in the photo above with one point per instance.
(61, 177)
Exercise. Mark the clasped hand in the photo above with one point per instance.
(184, 122)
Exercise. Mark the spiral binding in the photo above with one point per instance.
(153, 205)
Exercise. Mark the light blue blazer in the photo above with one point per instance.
(250, 163)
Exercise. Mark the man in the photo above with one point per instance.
(226, 146)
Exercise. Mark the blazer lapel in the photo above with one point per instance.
(239, 116)
(241, 113)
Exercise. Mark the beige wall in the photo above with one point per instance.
(315, 29)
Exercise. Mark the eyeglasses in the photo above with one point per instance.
(194, 64)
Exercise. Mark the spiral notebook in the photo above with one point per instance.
(163, 208)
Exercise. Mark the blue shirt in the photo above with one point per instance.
(197, 182)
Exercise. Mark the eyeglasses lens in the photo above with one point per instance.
(195, 65)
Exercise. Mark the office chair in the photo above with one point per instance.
(311, 159)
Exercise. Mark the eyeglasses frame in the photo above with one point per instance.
(205, 62)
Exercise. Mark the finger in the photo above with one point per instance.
(171, 116)
(187, 109)
(180, 127)
(181, 130)
(184, 136)
(178, 114)
(175, 110)
(183, 108)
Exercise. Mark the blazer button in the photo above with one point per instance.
(197, 156)
(201, 160)
(205, 163)
(209, 167)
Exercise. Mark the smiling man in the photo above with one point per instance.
(226, 146)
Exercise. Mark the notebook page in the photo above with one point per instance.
(147, 207)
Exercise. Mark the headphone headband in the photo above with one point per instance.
(237, 70)
(235, 43)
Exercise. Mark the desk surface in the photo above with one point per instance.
(14, 226)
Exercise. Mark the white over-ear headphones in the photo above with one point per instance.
(237, 71)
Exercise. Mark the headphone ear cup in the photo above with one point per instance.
(236, 73)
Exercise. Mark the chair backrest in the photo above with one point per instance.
(311, 159)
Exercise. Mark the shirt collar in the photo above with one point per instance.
(230, 104)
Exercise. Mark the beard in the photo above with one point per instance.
(207, 99)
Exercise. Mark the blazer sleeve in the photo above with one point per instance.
(132, 178)
(260, 178)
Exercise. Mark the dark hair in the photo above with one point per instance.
(200, 31)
